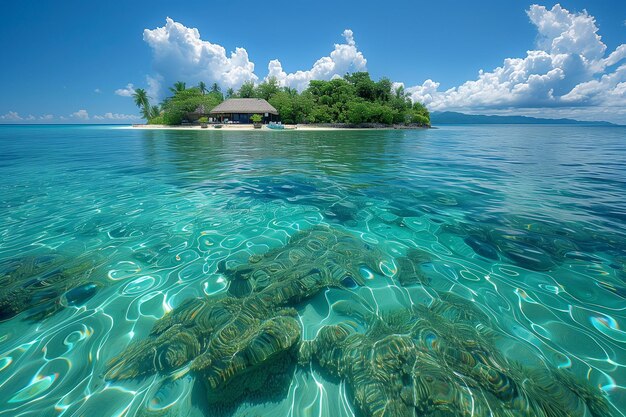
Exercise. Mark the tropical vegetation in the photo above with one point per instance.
(354, 99)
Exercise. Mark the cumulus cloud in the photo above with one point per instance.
(80, 114)
(568, 68)
(116, 116)
(154, 85)
(125, 92)
(343, 59)
(180, 54)
(11, 116)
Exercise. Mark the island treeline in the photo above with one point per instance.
(354, 99)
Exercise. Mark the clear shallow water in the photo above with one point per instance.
(527, 221)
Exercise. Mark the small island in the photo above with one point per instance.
(354, 101)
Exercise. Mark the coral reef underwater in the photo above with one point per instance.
(45, 284)
(436, 360)
(441, 360)
(238, 341)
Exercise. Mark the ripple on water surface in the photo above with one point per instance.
(108, 236)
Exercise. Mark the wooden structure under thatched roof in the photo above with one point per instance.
(239, 110)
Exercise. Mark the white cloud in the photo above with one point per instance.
(116, 116)
(97, 90)
(343, 59)
(179, 54)
(616, 56)
(11, 116)
(154, 86)
(126, 92)
(567, 69)
(80, 114)
(46, 117)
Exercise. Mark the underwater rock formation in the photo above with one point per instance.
(533, 245)
(441, 361)
(335, 256)
(410, 267)
(336, 203)
(43, 285)
(536, 247)
(242, 341)
(234, 345)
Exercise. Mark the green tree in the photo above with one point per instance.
(356, 98)
(141, 100)
(175, 108)
(358, 112)
(267, 89)
(246, 90)
(382, 90)
(420, 114)
(365, 87)
(202, 87)
(155, 111)
(178, 86)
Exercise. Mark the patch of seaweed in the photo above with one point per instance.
(240, 342)
(410, 267)
(43, 285)
(533, 245)
(436, 360)
(334, 255)
(441, 361)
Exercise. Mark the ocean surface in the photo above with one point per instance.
(508, 238)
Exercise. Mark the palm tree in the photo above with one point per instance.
(291, 91)
(154, 111)
(178, 86)
(202, 87)
(401, 92)
(215, 88)
(230, 93)
(141, 100)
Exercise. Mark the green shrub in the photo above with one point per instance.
(173, 117)
(158, 120)
(420, 119)
(175, 108)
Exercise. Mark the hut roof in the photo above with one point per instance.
(244, 105)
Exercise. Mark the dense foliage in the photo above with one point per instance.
(176, 107)
(354, 99)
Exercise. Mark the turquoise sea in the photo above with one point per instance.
(464, 270)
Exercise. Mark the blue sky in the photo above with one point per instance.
(64, 61)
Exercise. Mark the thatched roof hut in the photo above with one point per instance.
(244, 106)
(239, 110)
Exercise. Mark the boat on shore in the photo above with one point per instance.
(279, 126)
